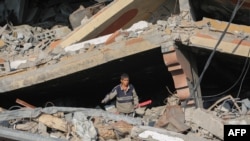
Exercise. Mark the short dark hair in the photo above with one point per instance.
(124, 75)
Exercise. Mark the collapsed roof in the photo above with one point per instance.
(35, 55)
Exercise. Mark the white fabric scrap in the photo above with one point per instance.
(138, 26)
(94, 41)
(158, 136)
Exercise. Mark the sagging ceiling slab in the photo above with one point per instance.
(72, 64)
(100, 24)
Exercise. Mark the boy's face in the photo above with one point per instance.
(125, 81)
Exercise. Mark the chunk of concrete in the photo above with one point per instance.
(207, 121)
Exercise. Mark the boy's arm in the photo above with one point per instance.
(109, 96)
(135, 98)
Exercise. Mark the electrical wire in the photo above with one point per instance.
(176, 3)
(237, 7)
(15, 106)
(51, 103)
(243, 78)
(235, 83)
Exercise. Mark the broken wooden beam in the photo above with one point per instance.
(25, 104)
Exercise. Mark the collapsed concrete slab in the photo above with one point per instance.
(103, 23)
(100, 54)
(212, 124)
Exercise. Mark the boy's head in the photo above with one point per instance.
(125, 79)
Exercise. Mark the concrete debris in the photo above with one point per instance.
(25, 44)
(82, 124)
(198, 116)
(84, 127)
(245, 106)
(158, 136)
(194, 117)
(158, 133)
(33, 46)
(134, 30)
(82, 14)
(172, 119)
(164, 122)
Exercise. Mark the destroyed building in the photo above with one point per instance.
(71, 53)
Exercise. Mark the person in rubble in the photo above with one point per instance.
(126, 97)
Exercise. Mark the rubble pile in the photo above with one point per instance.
(170, 121)
(73, 123)
(27, 45)
(225, 111)
(81, 124)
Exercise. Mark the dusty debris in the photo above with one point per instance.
(73, 123)
(80, 123)
(28, 126)
(222, 105)
(106, 132)
(82, 14)
(53, 122)
(207, 128)
(122, 128)
(24, 45)
(172, 119)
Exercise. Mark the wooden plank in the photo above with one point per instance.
(53, 122)
(25, 104)
(116, 15)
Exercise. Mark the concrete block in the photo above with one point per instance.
(208, 121)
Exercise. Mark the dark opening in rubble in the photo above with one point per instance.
(226, 75)
(87, 88)
(148, 74)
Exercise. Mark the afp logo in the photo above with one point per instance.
(241, 132)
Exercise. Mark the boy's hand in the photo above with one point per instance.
(106, 99)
